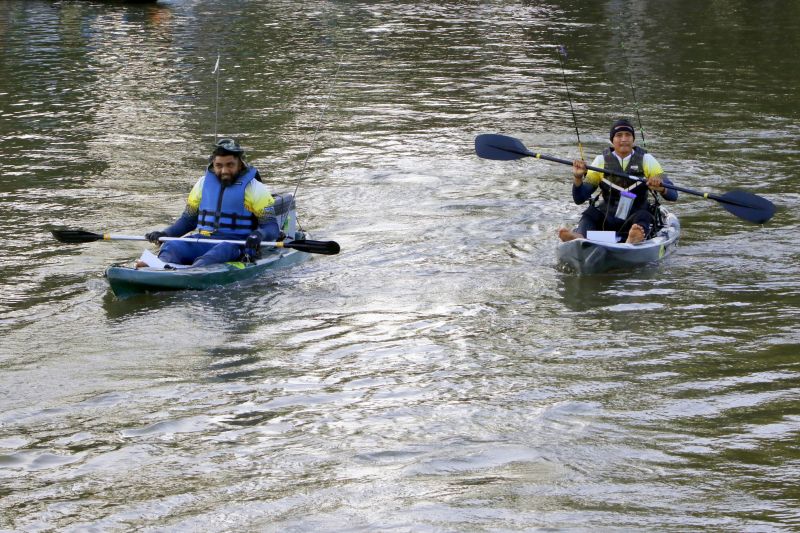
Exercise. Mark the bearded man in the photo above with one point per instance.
(228, 202)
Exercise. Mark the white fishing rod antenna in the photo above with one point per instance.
(216, 98)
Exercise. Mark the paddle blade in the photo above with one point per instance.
(500, 147)
(75, 236)
(314, 247)
(748, 206)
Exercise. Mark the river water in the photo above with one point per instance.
(442, 373)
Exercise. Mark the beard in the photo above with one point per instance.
(226, 178)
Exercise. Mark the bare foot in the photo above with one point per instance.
(139, 264)
(635, 235)
(566, 235)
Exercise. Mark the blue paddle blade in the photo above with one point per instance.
(500, 147)
(750, 207)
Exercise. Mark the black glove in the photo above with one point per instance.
(153, 236)
(252, 244)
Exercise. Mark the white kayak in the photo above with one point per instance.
(593, 256)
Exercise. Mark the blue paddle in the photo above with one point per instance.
(744, 205)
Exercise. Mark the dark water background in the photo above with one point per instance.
(441, 373)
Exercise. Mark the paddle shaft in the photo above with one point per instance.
(118, 237)
(637, 178)
(747, 206)
(79, 236)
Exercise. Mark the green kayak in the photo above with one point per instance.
(127, 281)
(155, 275)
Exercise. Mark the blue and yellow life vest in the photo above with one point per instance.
(222, 208)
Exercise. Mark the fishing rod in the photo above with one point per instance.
(633, 90)
(562, 56)
(318, 128)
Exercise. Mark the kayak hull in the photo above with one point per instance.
(594, 257)
(126, 281)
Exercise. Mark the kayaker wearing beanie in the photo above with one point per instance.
(228, 202)
(624, 205)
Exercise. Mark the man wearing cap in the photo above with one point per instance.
(228, 202)
(624, 206)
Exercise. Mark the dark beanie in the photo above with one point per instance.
(621, 125)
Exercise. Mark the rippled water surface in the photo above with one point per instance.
(442, 373)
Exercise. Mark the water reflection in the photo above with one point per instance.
(634, 290)
(441, 364)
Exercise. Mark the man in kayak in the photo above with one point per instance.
(624, 207)
(228, 202)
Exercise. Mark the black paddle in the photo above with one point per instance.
(744, 205)
(78, 236)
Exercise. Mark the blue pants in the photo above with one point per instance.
(199, 253)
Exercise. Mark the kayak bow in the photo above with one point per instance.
(587, 256)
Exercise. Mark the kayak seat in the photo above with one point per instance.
(658, 218)
(283, 203)
(286, 213)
